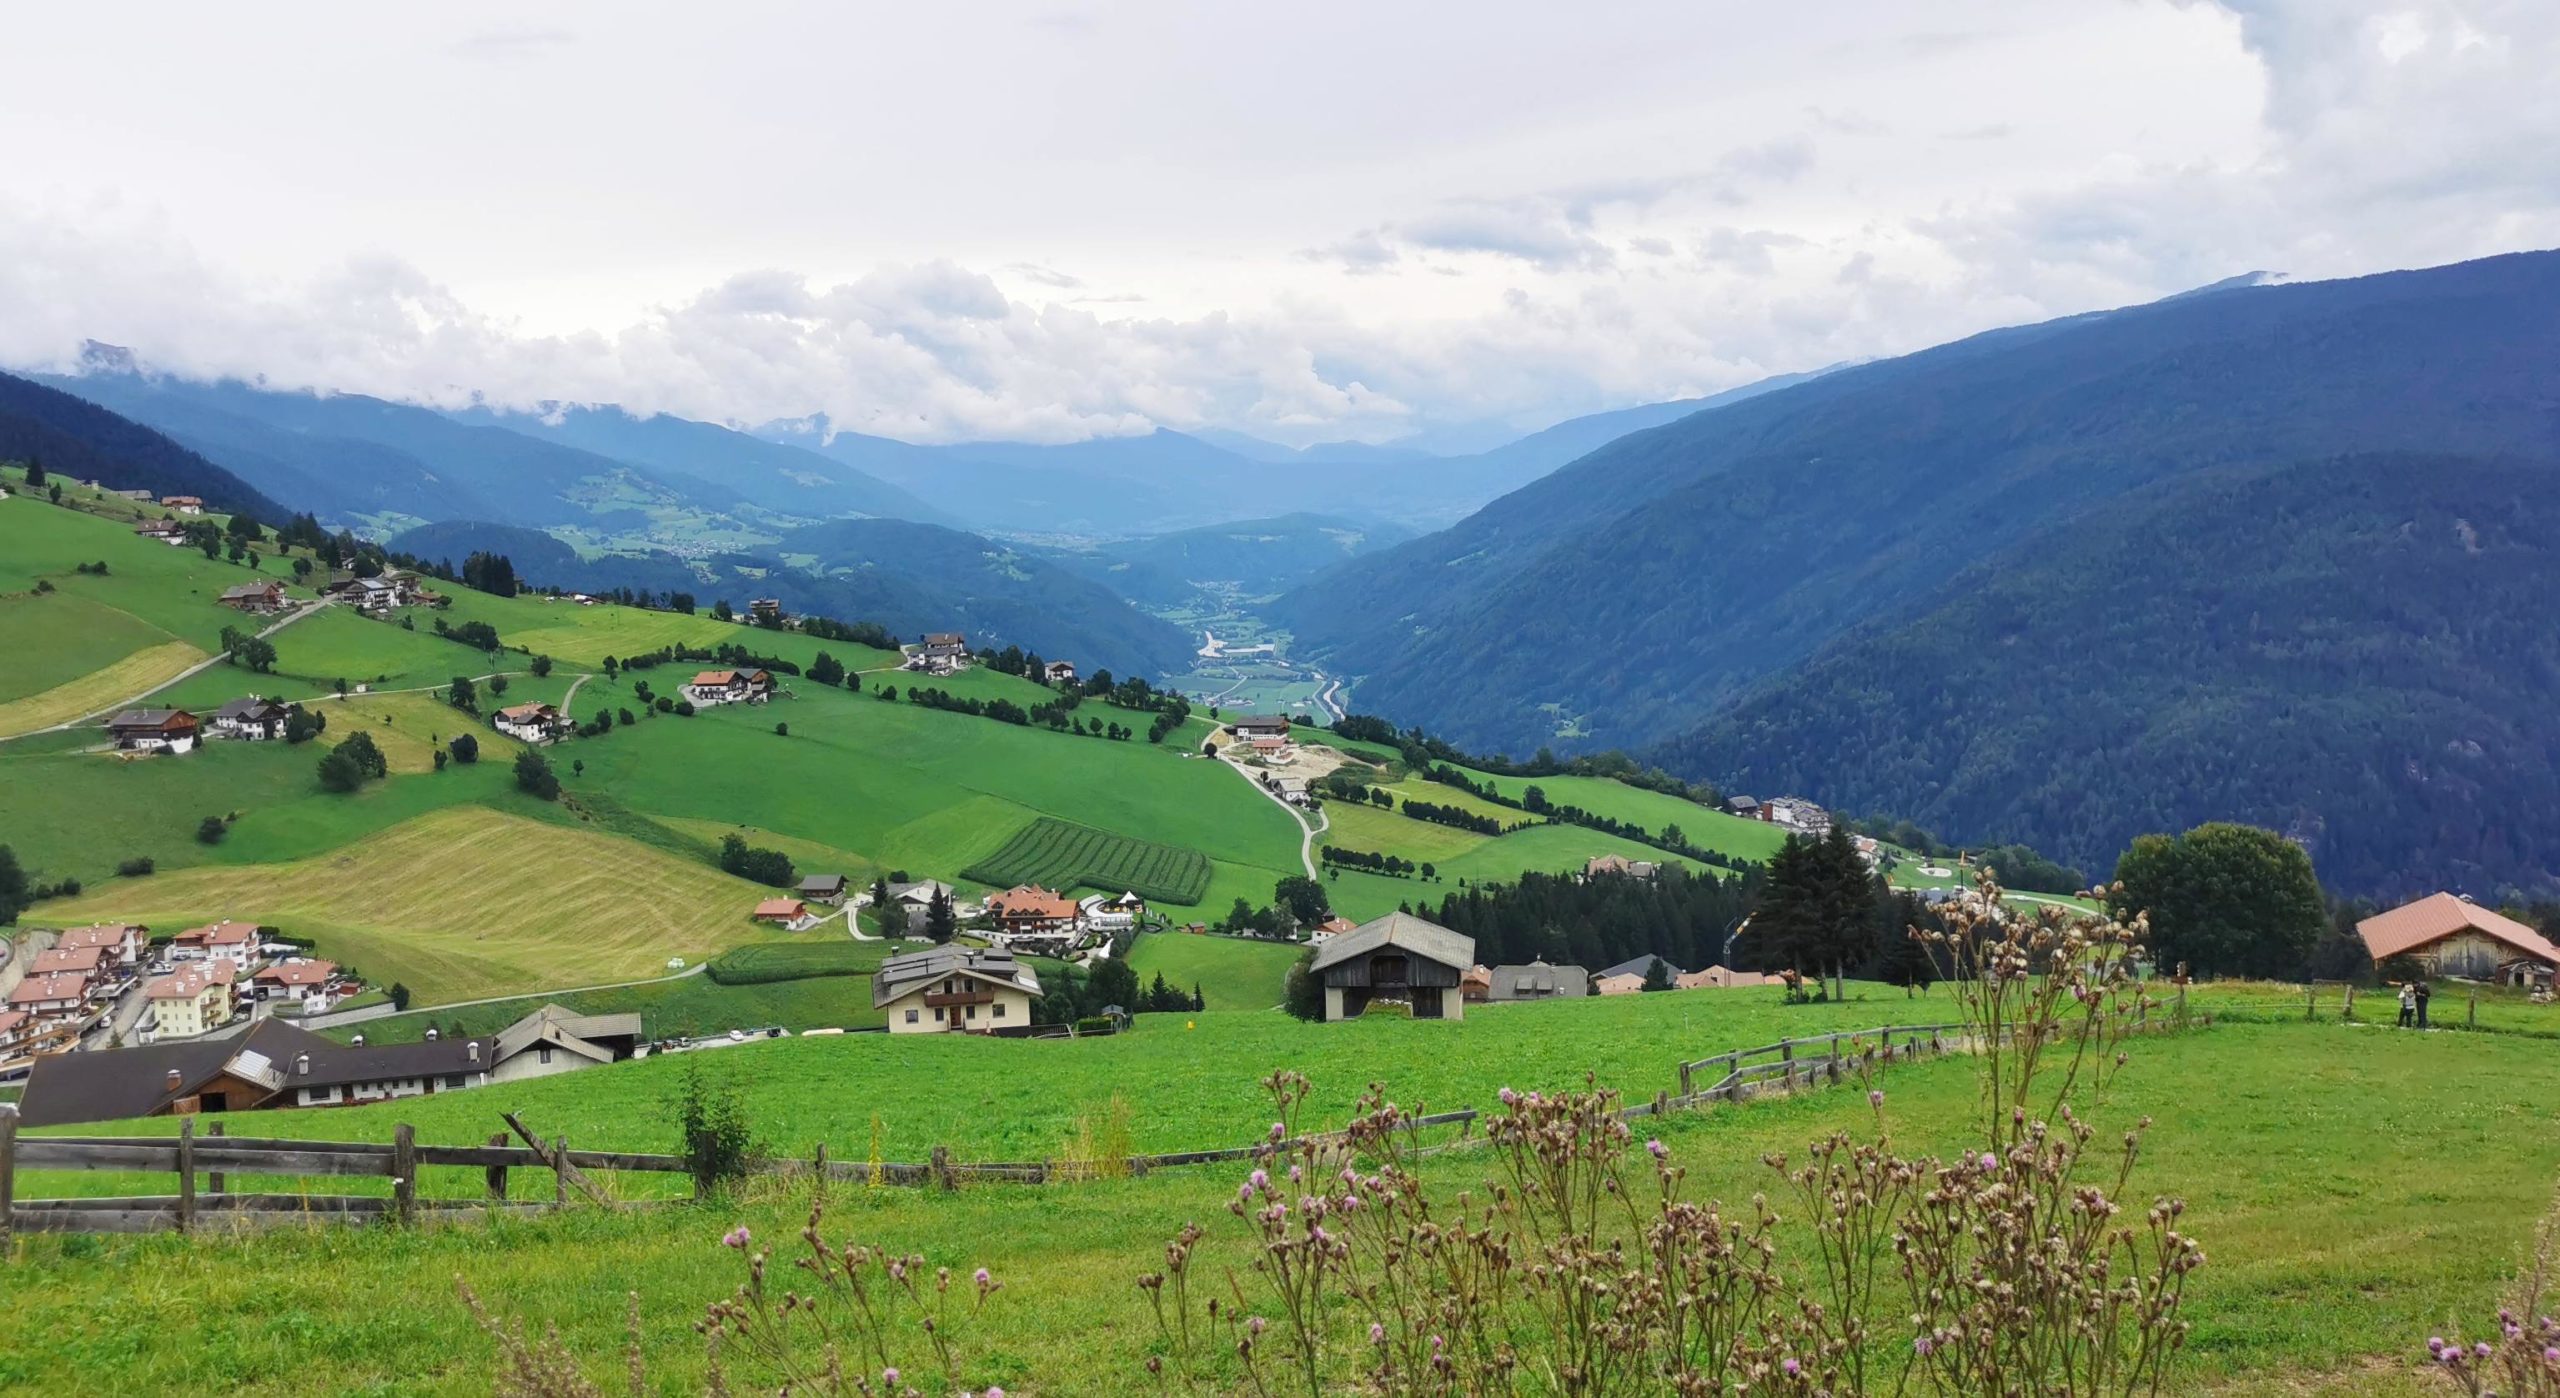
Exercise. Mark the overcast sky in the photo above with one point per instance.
(1309, 221)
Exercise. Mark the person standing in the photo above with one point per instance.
(2423, 992)
(2408, 1004)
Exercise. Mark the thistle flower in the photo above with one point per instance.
(1989, 1162)
(1377, 1333)
(889, 1376)
(1259, 1179)
(1279, 1132)
(737, 1237)
(1792, 1367)
(1875, 1097)
(1657, 1149)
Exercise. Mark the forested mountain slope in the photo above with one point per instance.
(1642, 586)
(77, 438)
(1258, 556)
(2358, 652)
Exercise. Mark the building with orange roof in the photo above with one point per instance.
(2447, 935)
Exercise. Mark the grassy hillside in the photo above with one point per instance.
(2293, 1146)
(1231, 973)
(463, 903)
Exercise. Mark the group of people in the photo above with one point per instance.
(2413, 1004)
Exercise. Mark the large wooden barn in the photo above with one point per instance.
(1398, 958)
(2450, 936)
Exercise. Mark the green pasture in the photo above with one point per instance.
(1232, 973)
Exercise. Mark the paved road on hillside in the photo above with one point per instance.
(180, 678)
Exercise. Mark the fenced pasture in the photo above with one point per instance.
(1062, 855)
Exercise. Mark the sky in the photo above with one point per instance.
(1428, 222)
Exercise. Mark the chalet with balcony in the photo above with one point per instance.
(154, 730)
(532, 723)
(955, 989)
(250, 719)
(260, 598)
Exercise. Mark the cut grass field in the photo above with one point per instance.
(1232, 973)
(2295, 1147)
(1062, 855)
(462, 903)
(139, 672)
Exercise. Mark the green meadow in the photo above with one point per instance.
(2294, 1146)
(1232, 973)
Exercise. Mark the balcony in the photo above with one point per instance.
(938, 1001)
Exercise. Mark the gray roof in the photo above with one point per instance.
(145, 718)
(1536, 979)
(900, 975)
(922, 888)
(108, 1084)
(1425, 939)
(817, 882)
(1639, 966)
(575, 1032)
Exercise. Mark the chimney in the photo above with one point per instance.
(175, 1078)
(472, 1049)
(302, 1065)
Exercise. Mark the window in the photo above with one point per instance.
(544, 1054)
(453, 1080)
(999, 1009)
(937, 1016)
(911, 1016)
(973, 1012)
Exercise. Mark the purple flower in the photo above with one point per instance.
(737, 1237)
(1791, 1367)
(1920, 1346)
(1377, 1333)
(1876, 1098)
(1990, 1162)
(1255, 1325)
(1279, 1132)
(1509, 1097)
(984, 1279)
(890, 1377)
(1657, 1149)
(2435, 1344)
(1259, 1179)
(2551, 1354)
(994, 1392)
(2482, 1349)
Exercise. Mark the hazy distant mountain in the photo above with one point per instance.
(785, 479)
(71, 436)
(1258, 556)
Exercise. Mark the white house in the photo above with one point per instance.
(123, 942)
(250, 719)
(234, 942)
(308, 985)
(710, 687)
(955, 989)
(531, 723)
(1107, 915)
(154, 730)
(53, 995)
(185, 504)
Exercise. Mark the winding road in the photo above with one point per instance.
(1307, 830)
(181, 677)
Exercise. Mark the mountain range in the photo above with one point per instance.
(1823, 587)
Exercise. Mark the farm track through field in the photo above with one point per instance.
(188, 673)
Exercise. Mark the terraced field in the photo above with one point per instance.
(1061, 855)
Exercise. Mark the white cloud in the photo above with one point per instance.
(943, 229)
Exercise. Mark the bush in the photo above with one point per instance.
(136, 867)
(1304, 995)
(465, 748)
(782, 730)
(211, 829)
(718, 1144)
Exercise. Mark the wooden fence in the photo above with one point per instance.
(206, 1162)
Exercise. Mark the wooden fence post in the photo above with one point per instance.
(8, 1172)
(2347, 1015)
(1685, 1088)
(559, 1172)
(2472, 1021)
(215, 1181)
(942, 1167)
(2310, 1002)
(404, 1172)
(186, 1174)
(496, 1175)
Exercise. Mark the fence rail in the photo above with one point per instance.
(203, 1163)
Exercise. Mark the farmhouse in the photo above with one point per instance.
(143, 496)
(154, 730)
(1537, 981)
(823, 888)
(1031, 908)
(1395, 958)
(57, 995)
(1797, 814)
(553, 1040)
(1602, 864)
(1744, 807)
(532, 723)
(260, 597)
(729, 687)
(766, 609)
(167, 531)
(789, 912)
(312, 986)
(1261, 727)
(2452, 936)
(1060, 672)
(234, 942)
(185, 504)
(909, 902)
(191, 1001)
(940, 653)
(250, 719)
(1329, 929)
(1476, 986)
(1718, 978)
(121, 941)
(955, 989)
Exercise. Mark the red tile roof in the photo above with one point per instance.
(1031, 900)
(219, 934)
(297, 973)
(713, 679)
(82, 959)
(103, 934)
(2441, 915)
(782, 908)
(61, 985)
(183, 985)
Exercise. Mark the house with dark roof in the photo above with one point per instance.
(1536, 981)
(1396, 959)
(1263, 727)
(2446, 935)
(823, 888)
(955, 989)
(154, 730)
(167, 531)
(250, 719)
(1060, 672)
(259, 597)
(940, 653)
(531, 723)
(279, 1064)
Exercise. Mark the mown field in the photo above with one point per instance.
(1062, 855)
(461, 903)
(1231, 973)
(2295, 1146)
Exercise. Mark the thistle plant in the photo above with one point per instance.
(2523, 1361)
